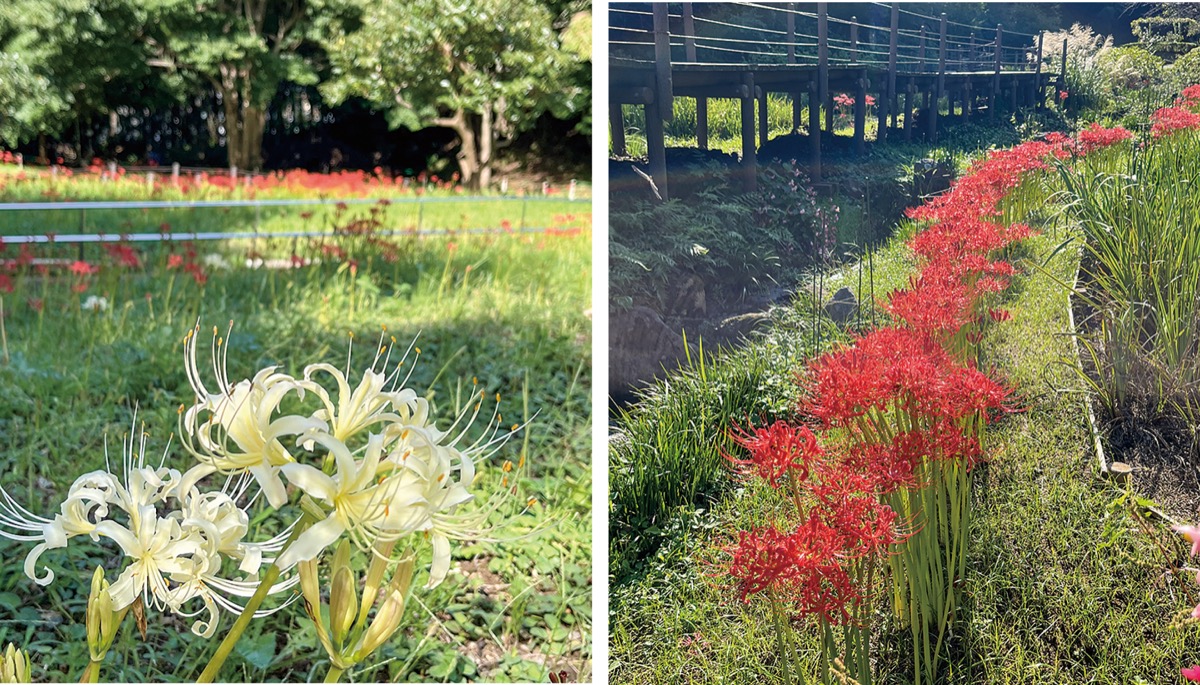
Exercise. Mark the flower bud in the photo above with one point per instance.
(102, 620)
(16, 667)
(343, 595)
(387, 618)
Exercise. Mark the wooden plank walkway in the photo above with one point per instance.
(904, 68)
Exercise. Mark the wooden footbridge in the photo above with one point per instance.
(914, 62)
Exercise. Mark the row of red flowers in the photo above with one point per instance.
(897, 410)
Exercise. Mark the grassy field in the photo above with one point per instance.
(1062, 585)
(507, 309)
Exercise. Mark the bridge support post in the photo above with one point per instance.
(656, 148)
(764, 122)
(749, 154)
(909, 96)
(814, 130)
(968, 100)
(860, 116)
(616, 118)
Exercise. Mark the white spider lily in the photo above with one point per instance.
(173, 536)
(380, 398)
(242, 414)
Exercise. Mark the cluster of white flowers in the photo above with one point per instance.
(368, 462)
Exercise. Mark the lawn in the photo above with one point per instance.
(1068, 578)
(507, 310)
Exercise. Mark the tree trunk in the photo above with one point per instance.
(486, 139)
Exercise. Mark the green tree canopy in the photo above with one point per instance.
(485, 69)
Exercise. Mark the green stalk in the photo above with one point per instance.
(239, 626)
(334, 675)
(92, 673)
(780, 626)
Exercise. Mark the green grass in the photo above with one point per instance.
(508, 309)
(1059, 588)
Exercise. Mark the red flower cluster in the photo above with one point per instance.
(776, 450)
(1096, 136)
(188, 264)
(1169, 120)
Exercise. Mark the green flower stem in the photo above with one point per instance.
(334, 675)
(239, 626)
(92, 674)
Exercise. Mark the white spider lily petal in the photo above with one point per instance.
(365, 406)
(235, 430)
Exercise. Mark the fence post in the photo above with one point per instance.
(175, 174)
(20, 162)
(996, 76)
(791, 27)
(823, 65)
(854, 40)
(689, 46)
(571, 191)
(972, 54)
(150, 181)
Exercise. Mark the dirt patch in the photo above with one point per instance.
(1160, 454)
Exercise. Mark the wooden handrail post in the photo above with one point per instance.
(892, 48)
(664, 101)
(854, 40)
(921, 49)
(689, 47)
(791, 29)
(941, 79)
(823, 63)
(995, 101)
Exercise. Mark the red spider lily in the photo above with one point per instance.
(933, 305)
(125, 255)
(1172, 119)
(1191, 674)
(1096, 137)
(6, 284)
(80, 287)
(777, 449)
(803, 568)
(999, 314)
(1062, 95)
(174, 261)
(82, 268)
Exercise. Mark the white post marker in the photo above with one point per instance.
(571, 191)
(175, 174)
